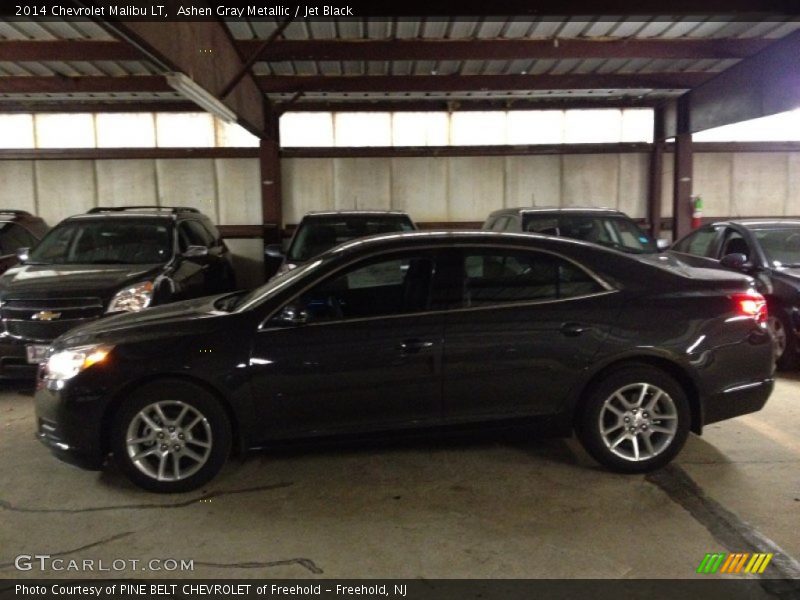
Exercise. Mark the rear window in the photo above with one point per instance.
(317, 235)
(612, 231)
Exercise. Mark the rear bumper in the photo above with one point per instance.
(737, 400)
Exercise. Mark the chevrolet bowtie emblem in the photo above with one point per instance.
(46, 315)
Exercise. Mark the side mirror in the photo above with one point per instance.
(274, 251)
(662, 244)
(196, 252)
(22, 254)
(735, 260)
(291, 315)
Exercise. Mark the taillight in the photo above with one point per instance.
(751, 304)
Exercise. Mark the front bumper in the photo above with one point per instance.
(14, 359)
(71, 426)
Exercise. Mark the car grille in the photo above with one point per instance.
(18, 316)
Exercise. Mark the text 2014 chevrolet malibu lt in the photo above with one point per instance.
(415, 330)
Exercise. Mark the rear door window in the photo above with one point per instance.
(699, 243)
(13, 237)
(497, 277)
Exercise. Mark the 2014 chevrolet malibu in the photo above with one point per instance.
(413, 330)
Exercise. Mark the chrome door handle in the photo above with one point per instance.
(574, 329)
(414, 346)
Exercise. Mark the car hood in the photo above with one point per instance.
(59, 281)
(176, 319)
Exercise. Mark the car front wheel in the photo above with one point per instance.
(171, 436)
(635, 420)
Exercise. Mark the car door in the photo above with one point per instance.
(360, 350)
(12, 238)
(191, 273)
(528, 322)
(220, 272)
(699, 248)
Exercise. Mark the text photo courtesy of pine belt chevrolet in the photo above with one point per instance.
(415, 330)
(107, 261)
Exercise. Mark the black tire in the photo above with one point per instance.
(787, 361)
(213, 430)
(665, 447)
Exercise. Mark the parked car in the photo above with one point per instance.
(409, 331)
(18, 229)
(318, 232)
(769, 251)
(603, 226)
(106, 261)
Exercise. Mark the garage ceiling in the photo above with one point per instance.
(395, 64)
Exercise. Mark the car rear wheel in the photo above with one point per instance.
(635, 420)
(783, 341)
(171, 436)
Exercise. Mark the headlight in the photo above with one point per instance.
(133, 298)
(65, 364)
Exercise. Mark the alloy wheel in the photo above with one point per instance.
(638, 422)
(169, 440)
(778, 336)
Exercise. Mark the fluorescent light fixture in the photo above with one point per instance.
(204, 99)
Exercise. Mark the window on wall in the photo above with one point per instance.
(420, 128)
(363, 129)
(465, 128)
(125, 130)
(120, 130)
(68, 130)
(16, 131)
(306, 129)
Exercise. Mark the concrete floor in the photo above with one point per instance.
(432, 509)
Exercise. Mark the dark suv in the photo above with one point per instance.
(18, 229)
(603, 226)
(109, 260)
(318, 232)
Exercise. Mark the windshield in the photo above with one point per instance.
(106, 241)
(241, 302)
(782, 246)
(617, 232)
(319, 234)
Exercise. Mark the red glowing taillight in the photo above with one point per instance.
(751, 304)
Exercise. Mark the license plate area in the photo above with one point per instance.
(36, 353)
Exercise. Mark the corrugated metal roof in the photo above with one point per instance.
(694, 27)
(517, 28)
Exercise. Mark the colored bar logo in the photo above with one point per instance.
(738, 562)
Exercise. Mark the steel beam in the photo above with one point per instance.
(477, 83)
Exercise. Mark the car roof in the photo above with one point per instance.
(125, 215)
(355, 213)
(557, 210)
(401, 240)
(756, 222)
(12, 214)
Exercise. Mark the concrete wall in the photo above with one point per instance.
(430, 189)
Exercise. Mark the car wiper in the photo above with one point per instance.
(107, 261)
